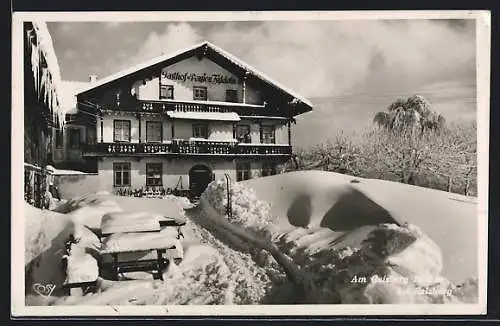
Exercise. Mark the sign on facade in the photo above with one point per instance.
(199, 78)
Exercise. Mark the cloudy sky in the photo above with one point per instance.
(348, 69)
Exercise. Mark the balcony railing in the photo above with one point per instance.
(263, 149)
(186, 147)
(164, 106)
(203, 147)
(128, 148)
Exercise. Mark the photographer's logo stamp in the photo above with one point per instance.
(44, 290)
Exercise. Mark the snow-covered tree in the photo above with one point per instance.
(410, 115)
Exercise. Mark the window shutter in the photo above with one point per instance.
(126, 131)
(117, 132)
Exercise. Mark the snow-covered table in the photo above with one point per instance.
(132, 252)
(124, 222)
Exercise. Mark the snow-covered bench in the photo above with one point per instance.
(82, 272)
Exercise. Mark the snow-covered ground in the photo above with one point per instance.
(304, 237)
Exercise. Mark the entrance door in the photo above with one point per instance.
(199, 178)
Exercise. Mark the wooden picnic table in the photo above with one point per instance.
(140, 243)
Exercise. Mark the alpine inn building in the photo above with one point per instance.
(183, 119)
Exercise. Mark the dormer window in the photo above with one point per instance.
(231, 95)
(199, 93)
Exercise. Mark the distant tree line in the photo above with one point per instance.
(408, 143)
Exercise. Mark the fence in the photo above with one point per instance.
(36, 185)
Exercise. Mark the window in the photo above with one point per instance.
(154, 131)
(242, 171)
(268, 169)
(59, 138)
(166, 92)
(267, 135)
(231, 95)
(74, 138)
(153, 174)
(91, 136)
(121, 130)
(200, 131)
(199, 93)
(242, 134)
(121, 172)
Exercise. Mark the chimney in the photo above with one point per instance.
(92, 78)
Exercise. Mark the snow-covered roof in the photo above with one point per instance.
(136, 68)
(257, 73)
(68, 94)
(215, 116)
(231, 58)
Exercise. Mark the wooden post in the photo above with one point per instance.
(139, 118)
(245, 88)
(449, 184)
(260, 133)
(289, 133)
(102, 130)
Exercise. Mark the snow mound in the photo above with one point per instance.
(45, 236)
(83, 201)
(81, 267)
(91, 216)
(183, 201)
(393, 265)
(248, 211)
(311, 200)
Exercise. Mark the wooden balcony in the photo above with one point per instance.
(263, 149)
(170, 105)
(180, 148)
(164, 106)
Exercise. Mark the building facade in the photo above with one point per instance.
(181, 120)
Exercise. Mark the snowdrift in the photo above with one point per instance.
(211, 272)
(338, 231)
(307, 201)
(365, 242)
(46, 233)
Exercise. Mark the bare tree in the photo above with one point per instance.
(402, 156)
